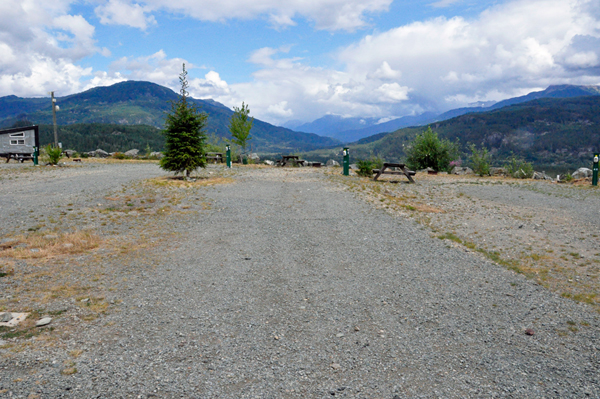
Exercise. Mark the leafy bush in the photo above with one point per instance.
(53, 153)
(480, 160)
(120, 155)
(518, 168)
(365, 167)
(428, 151)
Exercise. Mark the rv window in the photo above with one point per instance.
(22, 134)
(17, 142)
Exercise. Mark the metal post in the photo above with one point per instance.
(346, 162)
(36, 154)
(595, 170)
(228, 156)
(54, 119)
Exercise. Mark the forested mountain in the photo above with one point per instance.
(551, 133)
(348, 130)
(143, 103)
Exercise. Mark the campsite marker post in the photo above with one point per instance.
(228, 156)
(36, 154)
(346, 161)
(595, 170)
(54, 106)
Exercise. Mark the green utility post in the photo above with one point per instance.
(228, 156)
(346, 162)
(595, 170)
(36, 154)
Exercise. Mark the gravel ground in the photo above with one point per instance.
(284, 283)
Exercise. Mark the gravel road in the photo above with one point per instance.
(291, 286)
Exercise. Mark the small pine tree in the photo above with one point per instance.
(184, 133)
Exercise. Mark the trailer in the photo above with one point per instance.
(19, 143)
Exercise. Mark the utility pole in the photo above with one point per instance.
(54, 118)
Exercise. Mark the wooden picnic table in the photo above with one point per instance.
(403, 171)
(294, 159)
(216, 157)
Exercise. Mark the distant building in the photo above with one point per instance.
(19, 143)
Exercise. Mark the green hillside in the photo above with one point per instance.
(141, 103)
(553, 134)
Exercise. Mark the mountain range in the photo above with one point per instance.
(349, 130)
(145, 103)
(554, 134)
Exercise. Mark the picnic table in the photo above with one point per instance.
(293, 159)
(403, 171)
(216, 157)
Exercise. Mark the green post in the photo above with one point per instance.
(36, 154)
(228, 156)
(346, 162)
(595, 170)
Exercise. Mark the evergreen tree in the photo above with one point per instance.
(184, 133)
(240, 125)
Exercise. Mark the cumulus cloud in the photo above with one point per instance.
(117, 12)
(325, 14)
(509, 49)
(41, 45)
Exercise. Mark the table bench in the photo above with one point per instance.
(293, 159)
(215, 157)
(403, 171)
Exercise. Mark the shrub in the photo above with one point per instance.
(365, 167)
(120, 155)
(54, 154)
(518, 168)
(428, 151)
(480, 160)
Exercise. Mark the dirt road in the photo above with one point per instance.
(274, 283)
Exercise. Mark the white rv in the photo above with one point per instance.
(19, 143)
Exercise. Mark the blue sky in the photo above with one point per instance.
(302, 59)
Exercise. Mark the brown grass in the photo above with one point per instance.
(45, 246)
(179, 182)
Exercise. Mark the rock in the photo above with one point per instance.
(336, 366)
(6, 317)
(133, 153)
(332, 162)
(270, 163)
(529, 331)
(156, 154)
(2, 342)
(7, 240)
(100, 153)
(541, 176)
(498, 172)
(69, 153)
(50, 236)
(353, 166)
(84, 300)
(582, 173)
(43, 322)
(254, 156)
(339, 335)
(67, 245)
(461, 170)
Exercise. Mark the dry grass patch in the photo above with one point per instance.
(47, 246)
(181, 182)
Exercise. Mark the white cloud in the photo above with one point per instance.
(444, 3)
(326, 14)
(117, 12)
(40, 47)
